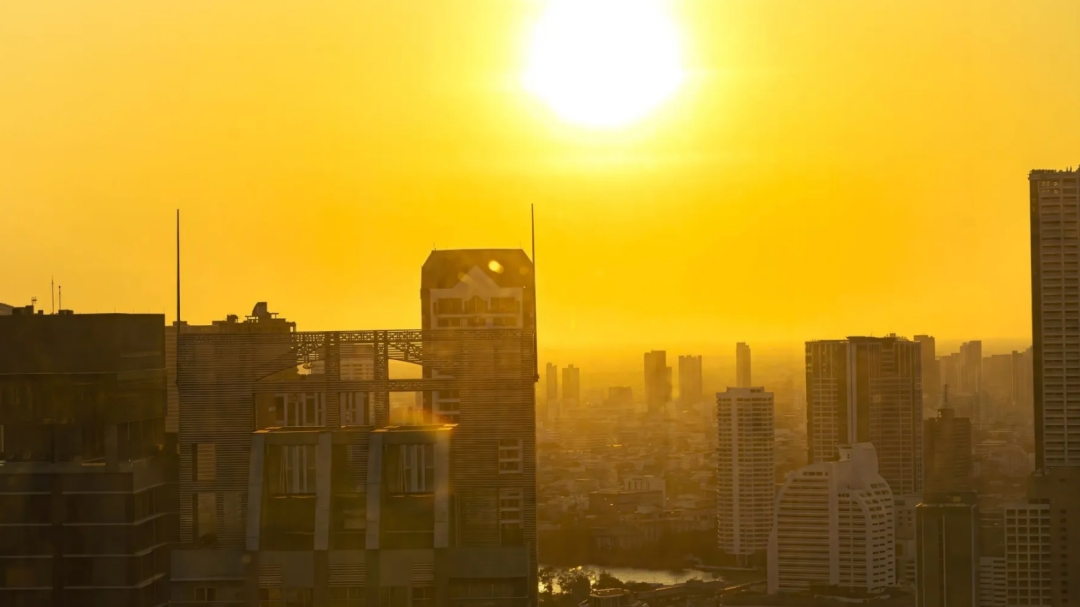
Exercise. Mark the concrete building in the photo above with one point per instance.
(833, 528)
(931, 375)
(742, 365)
(88, 494)
(327, 502)
(948, 551)
(949, 465)
(690, 388)
(571, 386)
(746, 471)
(868, 390)
(971, 359)
(657, 381)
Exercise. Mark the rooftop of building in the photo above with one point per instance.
(1053, 172)
(506, 267)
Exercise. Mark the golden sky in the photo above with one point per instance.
(828, 168)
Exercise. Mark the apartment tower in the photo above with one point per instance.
(746, 471)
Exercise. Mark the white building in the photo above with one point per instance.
(833, 526)
(746, 470)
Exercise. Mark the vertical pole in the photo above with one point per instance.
(536, 300)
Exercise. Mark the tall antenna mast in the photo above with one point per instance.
(178, 271)
(52, 295)
(60, 296)
(536, 300)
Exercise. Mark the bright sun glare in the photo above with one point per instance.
(604, 63)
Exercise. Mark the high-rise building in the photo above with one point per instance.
(1023, 381)
(947, 552)
(833, 527)
(690, 389)
(949, 372)
(947, 458)
(88, 494)
(551, 391)
(931, 377)
(1048, 561)
(1029, 548)
(657, 381)
(571, 386)
(971, 359)
(867, 390)
(329, 503)
(742, 365)
(746, 471)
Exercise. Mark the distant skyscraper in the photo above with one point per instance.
(931, 376)
(971, 360)
(549, 406)
(948, 459)
(657, 381)
(1023, 381)
(571, 386)
(949, 372)
(948, 552)
(742, 365)
(833, 526)
(690, 390)
(867, 389)
(746, 470)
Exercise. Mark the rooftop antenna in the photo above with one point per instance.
(536, 350)
(60, 296)
(52, 295)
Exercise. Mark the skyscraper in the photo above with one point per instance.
(971, 360)
(948, 551)
(742, 365)
(690, 390)
(88, 502)
(867, 389)
(657, 381)
(746, 471)
(551, 392)
(833, 527)
(948, 459)
(571, 386)
(931, 376)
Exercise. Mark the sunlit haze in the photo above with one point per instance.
(826, 168)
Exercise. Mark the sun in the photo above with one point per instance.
(604, 63)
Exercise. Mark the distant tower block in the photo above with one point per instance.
(742, 365)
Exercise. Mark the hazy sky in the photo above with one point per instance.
(829, 168)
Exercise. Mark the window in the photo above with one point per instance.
(505, 321)
(411, 469)
(509, 455)
(394, 596)
(299, 597)
(269, 597)
(510, 516)
(205, 462)
(448, 407)
(205, 507)
(350, 596)
(205, 595)
(476, 305)
(449, 305)
(354, 409)
(298, 469)
(306, 409)
(423, 596)
(504, 305)
(477, 321)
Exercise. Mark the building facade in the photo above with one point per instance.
(88, 494)
(571, 386)
(949, 464)
(931, 377)
(867, 389)
(297, 488)
(833, 528)
(746, 471)
(948, 551)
